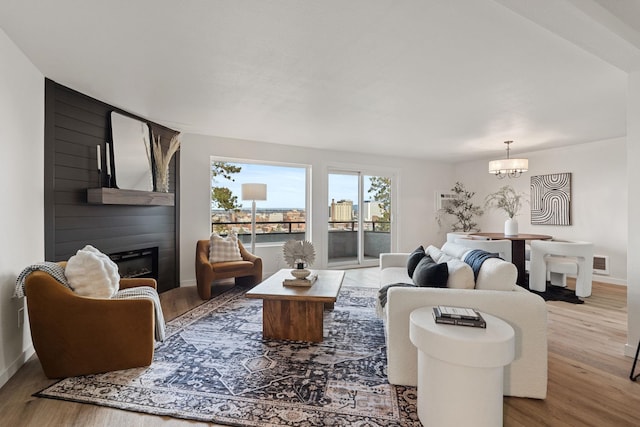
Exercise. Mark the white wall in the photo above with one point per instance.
(633, 179)
(598, 197)
(414, 195)
(22, 177)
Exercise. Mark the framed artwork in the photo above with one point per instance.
(551, 199)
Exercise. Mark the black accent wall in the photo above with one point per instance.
(74, 125)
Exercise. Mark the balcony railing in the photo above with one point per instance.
(343, 240)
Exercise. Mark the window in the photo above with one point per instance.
(282, 217)
(359, 227)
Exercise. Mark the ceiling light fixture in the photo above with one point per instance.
(512, 168)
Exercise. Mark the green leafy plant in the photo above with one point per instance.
(506, 199)
(221, 196)
(462, 209)
(381, 190)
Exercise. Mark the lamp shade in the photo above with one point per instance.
(253, 191)
(506, 166)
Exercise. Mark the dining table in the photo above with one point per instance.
(518, 257)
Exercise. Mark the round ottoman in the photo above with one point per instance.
(460, 370)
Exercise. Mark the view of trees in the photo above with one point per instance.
(380, 190)
(222, 197)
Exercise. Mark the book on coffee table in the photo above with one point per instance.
(309, 281)
(458, 312)
(476, 320)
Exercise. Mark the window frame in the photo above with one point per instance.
(245, 161)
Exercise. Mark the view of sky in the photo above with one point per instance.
(285, 186)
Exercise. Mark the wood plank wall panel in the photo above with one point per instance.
(74, 125)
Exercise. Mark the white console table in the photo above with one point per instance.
(460, 370)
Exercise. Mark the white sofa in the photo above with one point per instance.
(524, 311)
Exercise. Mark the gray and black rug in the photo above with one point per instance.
(215, 367)
(558, 293)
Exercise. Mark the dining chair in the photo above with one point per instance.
(501, 247)
(453, 235)
(553, 259)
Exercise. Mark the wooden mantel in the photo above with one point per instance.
(116, 196)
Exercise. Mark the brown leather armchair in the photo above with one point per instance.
(75, 335)
(245, 272)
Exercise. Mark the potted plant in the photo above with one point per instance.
(462, 209)
(510, 201)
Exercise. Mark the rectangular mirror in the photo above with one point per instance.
(131, 166)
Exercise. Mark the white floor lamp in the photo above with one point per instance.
(254, 192)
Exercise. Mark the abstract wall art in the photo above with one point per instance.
(551, 199)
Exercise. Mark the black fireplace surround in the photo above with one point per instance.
(137, 263)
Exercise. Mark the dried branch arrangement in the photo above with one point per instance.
(162, 160)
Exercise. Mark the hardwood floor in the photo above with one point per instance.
(588, 373)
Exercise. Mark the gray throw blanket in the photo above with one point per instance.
(475, 258)
(382, 293)
(52, 268)
(57, 272)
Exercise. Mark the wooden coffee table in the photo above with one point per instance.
(296, 313)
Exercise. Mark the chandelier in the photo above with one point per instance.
(512, 168)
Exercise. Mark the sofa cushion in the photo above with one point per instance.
(224, 248)
(414, 259)
(429, 273)
(460, 275)
(394, 275)
(497, 274)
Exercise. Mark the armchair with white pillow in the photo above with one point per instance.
(225, 258)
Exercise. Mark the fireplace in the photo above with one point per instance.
(137, 262)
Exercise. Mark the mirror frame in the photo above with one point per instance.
(131, 153)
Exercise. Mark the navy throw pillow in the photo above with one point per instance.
(414, 259)
(429, 273)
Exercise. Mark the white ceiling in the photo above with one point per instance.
(438, 79)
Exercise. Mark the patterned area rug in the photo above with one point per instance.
(558, 293)
(214, 366)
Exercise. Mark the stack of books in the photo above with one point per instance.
(460, 316)
(309, 281)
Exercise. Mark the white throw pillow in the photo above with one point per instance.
(92, 273)
(224, 248)
(434, 253)
(497, 274)
(460, 275)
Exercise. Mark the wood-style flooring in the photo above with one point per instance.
(588, 373)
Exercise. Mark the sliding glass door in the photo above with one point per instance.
(359, 226)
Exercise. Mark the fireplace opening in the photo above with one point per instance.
(137, 263)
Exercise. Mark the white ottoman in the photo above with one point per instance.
(460, 370)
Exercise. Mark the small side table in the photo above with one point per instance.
(460, 370)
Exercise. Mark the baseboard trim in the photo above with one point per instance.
(11, 370)
(610, 280)
(630, 349)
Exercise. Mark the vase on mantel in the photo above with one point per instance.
(162, 179)
(511, 227)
